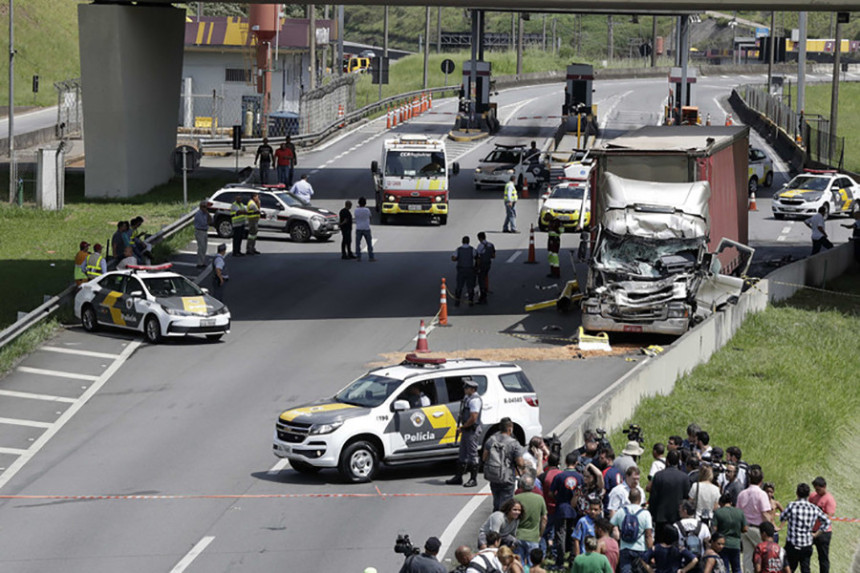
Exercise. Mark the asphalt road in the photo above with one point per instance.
(173, 442)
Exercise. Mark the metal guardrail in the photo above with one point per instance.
(312, 138)
(51, 305)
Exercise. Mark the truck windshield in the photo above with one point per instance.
(415, 164)
(368, 391)
(639, 256)
(809, 183)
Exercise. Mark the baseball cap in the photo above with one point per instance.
(84, 245)
(433, 544)
(470, 383)
(97, 247)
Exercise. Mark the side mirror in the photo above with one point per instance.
(136, 293)
(455, 168)
(205, 290)
(374, 167)
(400, 406)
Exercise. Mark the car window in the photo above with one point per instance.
(225, 197)
(269, 202)
(113, 282)
(368, 391)
(516, 382)
(291, 200)
(132, 285)
(454, 386)
(420, 394)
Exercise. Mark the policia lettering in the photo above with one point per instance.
(469, 432)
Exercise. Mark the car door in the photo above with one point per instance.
(109, 303)
(133, 296)
(841, 199)
(426, 425)
(454, 394)
(270, 208)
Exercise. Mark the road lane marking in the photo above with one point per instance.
(57, 373)
(12, 451)
(32, 396)
(192, 555)
(29, 423)
(80, 352)
(282, 464)
(514, 257)
(786, 230)
(28, 454)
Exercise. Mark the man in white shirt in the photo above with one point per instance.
(485, 559)
(819, 233)
(619, 495)
(129, 259)
(302, 189)
(362, 229)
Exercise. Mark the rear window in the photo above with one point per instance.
(225, 197)
(516, 382)
(454, 386)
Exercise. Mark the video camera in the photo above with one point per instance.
(403, 545)
(634, 433)
(602, 441)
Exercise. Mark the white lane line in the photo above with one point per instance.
(67, 415)
(781, 238)
(12, 451)
(57, 373)
(192, 555)
(374, 242)
(514, 257)
(77, 352)
(283, 463)
(32, 396)
(29, 423)
(786, 230)
(612, 107)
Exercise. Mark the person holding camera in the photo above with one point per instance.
(425, 562)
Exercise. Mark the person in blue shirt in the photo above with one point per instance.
(585, 525)
(566, 488)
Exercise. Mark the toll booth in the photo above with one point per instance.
(577, 109)
(476, 110)
(673, 109)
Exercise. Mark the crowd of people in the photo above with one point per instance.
(699, 509)
(128, 246)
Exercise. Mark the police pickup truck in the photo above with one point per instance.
(402, 414)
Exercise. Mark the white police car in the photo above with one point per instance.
(151, 300)
(812, 189)
(401, 414)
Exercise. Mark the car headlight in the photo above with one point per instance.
(391, 198)
(317, 429)
(316, 221)
(176, 311)
(677, 312)
(222, 310)
(478, 170)
(439, 198)
(509, 171)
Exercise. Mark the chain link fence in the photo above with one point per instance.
(70, 109)
(321, 107)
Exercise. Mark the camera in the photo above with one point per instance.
(403, 545)
(602, 442)
(634, 433)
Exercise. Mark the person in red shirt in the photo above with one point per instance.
(823, 499)
(284, 158)
(768, 557)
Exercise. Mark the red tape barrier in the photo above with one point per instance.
(237, 496)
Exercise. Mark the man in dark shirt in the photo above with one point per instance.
(346, 231)
(425, 562)
(566, 488)
(668, 489)
(265, 154)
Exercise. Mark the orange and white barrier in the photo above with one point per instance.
(729, 120)
(443, 305)
(531, 260)
(340, 115)
(422, 345)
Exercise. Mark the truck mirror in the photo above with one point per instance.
(400, 406)
(374, 167)
(455, 168)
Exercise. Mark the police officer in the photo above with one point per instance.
(253, 209)
(510, 224)
(96, 263)
(464, 256)
(238, 210)
(469, 432)
(219, 273)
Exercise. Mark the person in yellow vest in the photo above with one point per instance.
(553, 246)
(80, 272)
(510, 225)
(253, 215)
(96, 263)
(238, 210)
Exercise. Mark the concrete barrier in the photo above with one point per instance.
(30, 139)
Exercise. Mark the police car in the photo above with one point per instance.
(803, 195)
(402, 414)
(569, 203)
(760, 170)
(151, 300)
(522, 162)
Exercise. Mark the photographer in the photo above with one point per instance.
(425, 562)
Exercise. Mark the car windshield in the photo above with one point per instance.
(171, 286)
(415, 164)
(809, 183)
(503, 156)
(567, 192)
(641, 257)
(291, 200)
(368, 391)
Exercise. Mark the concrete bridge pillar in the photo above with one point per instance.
(131, 68)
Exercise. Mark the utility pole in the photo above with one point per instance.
(610, 40)
(834, 93)
(654, 41)
(554, 22)
(312, 44)
(439, 30)
(340, 40)
(13, 166)
(801, 63)
(520, 45)
(384, 46)
(426, 44)
(543, 43)
(772, 43)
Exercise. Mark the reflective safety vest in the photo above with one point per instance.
(94, 265)
(253, 211)
(510, 192)
(80, 273)
(238, 217)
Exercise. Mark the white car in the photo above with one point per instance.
(806, 193)
(151, 300)
(496, 169)
(760, 170)
(403, 414)
(566, 202)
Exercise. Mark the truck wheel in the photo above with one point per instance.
(300, 232)
(478, 187)
(443, 219)
(224, 227)
(768, 180)
(359, 462)
(304, 467)
(88, 319)
(753, 185)
(152, 330)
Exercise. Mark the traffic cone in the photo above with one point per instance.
(340, 115)
(388, 118)
(443, 305)
(430, 101)
(752, 203)
(395, 117)
(531, 260)
(729, 119)
(525, 188)
(422, 345)
(708, 120)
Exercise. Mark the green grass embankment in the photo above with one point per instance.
(848, 121)
(786, 391)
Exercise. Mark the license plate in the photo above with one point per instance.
(207, 322)
(415, 208)
(632, 328)
(565, 217)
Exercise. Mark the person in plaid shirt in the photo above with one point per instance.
(801, 516)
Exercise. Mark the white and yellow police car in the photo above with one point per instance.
(812, 189)
(760, 170)
(152, 300)
(568, 202)
(403, 414)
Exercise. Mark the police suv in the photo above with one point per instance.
(152, 300)
(401, 414)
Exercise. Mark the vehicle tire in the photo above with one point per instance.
(88, 318)
(826, 211)
(323, 238)
(520, 182)
(778, 216)
(359, 462)
(224, 227)
(443, 219)
(152, 330)
(383, 219)
(304, 467)
(214, 337)
(753, 184)
(478, 187)
(768, 180)
(300, 232)
(542, 226)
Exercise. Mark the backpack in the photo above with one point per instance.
(691, 541)
(497, 467)
(487, 567)
(630, 526)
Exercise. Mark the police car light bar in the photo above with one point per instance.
(163, 267)
(415, 359)
(822, 171)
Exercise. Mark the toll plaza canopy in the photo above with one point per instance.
(604, 6)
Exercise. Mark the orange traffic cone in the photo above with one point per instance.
(729, 119)
(708, 120)
(388, 118)
(443, 305)
(525, 188)
(752, 203)
(422, 345)
(340, 115)
(430, 101)
(531, 260)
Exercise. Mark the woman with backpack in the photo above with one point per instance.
(712, 560)
(666, 557)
